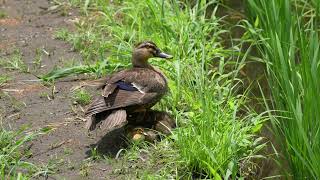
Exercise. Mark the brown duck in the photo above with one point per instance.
(132, 90)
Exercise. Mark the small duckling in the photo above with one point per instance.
(135, 133)
(158, 120)
(138, 134)
(151, 127)
(164, 123)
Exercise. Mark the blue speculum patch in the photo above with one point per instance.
(126, 86)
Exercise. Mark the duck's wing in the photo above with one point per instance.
(109, 121)
(115, 120)
(120, 99)
(124, 89)
(135, 79)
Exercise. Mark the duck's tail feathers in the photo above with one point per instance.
(97, 106)
(91, 123)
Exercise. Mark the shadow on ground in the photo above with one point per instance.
(110, 144)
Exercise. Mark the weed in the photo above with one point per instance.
(85, 167)
(38, 58)
(50, 168)
(81, 97)
(13, 152)
(80, 69)
(95, 154)
(45, 95)
(62, 34)
(4, 79)
(3, 14)
(67, 151)
(14, 62)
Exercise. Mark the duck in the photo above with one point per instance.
(129, 91)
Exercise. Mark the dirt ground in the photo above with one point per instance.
(28, 27)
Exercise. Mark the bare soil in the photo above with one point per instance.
(28, 26)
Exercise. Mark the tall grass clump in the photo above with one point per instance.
(14, 154)
(289, 44)
(214, 139)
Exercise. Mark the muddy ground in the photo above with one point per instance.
(29, 27)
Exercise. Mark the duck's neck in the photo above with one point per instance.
(139, 63)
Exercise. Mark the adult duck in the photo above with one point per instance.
(128, 91)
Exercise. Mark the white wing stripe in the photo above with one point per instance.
(138, 87)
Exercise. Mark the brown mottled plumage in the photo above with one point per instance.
(131, 90)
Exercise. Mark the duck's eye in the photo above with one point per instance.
(155, 52)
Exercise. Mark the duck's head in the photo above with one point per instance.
(145, 50)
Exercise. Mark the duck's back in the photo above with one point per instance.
(146, 80)
(131, 88)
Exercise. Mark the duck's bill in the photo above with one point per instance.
(164, 55)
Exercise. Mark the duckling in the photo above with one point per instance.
(132, 90)
(154, 125)
(139, 133)
(163, 122)
(135, 133)
(160, 121)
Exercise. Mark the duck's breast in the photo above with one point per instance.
(158, 83)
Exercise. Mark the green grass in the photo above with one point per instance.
(214, 139)
(14, 62)
(62, 34)
(14, 152)
(89, 41)
(3, 14)
(81, 97)
(4, 79)
(37, 61)
(289, 43)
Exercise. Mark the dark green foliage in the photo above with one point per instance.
(289, 44)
